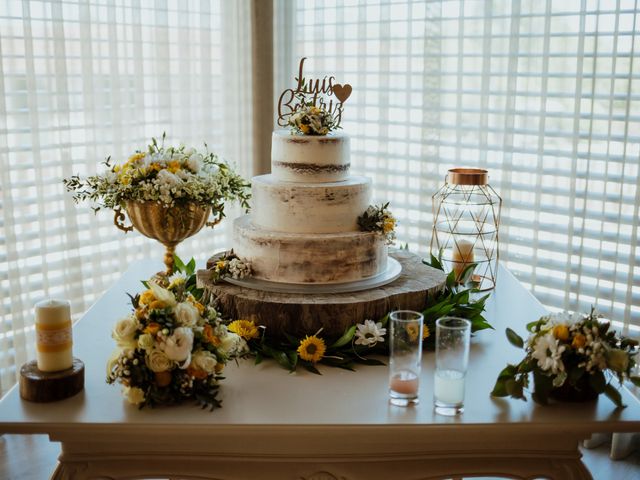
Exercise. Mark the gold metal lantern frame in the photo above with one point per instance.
(466, 220)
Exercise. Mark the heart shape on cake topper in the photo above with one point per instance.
(342, 92)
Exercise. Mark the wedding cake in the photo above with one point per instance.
(303, 227)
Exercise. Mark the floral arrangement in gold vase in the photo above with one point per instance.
(571, 358)
(168, 192)
(172, 348)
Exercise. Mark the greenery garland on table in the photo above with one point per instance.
(360, 342)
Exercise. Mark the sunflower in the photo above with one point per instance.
(425, 332)
(312, 349)
(412, 331)
(245, 328)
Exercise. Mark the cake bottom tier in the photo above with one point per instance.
(308, 257)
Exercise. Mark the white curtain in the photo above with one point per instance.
(83, 80)
(544, 94)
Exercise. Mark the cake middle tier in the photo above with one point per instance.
(309, 258)
(309, 207)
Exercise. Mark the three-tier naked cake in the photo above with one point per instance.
(303, 227)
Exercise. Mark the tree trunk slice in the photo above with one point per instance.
(304, 314)
(43, 387)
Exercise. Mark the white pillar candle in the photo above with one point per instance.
(53, 335)
(462, 256)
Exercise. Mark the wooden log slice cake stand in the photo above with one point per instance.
(304, 314)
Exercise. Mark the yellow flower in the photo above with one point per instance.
(561, 332)
(155, 166)
(135, 157)
(173, 166)
(191, 299)
(125, 179)
(245, 328)
(152, 328)
(388, 224)
(147, 297)
(425, 332)
(312, 349)
(579, 341)
(157, 305)
(220, 264)
(304, 128)
(210, 337)
(413, 330)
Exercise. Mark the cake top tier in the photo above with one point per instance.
(310, 158)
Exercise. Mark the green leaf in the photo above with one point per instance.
(191, 267)
(508, 372)
(530, 326)
(542, 385)
(635, 380)
(310, 367)
(500, 389)
(514, 338)
(345, 338)
(575, 374)
(178, 263)
(513, 388)
(259, 358)
(597, 381)
(614, 395)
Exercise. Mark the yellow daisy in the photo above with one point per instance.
(220, 264)
(312, 349)
(245, 328)
(412, 331)
(425, 332)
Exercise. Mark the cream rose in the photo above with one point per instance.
(204, 360)
(186, 314)
(178, 346)
(134, 395)
(146, 341)
(232, 344)
(158, 361)
(124, 331)
(162, 294)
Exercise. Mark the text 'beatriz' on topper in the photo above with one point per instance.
(319, 93)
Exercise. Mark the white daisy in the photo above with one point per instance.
(548, 353)
(369, 333)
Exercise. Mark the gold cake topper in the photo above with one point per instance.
(318, 92)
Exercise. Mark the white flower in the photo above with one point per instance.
(194, 162)
(548, 353)
(204, 360)
(158, 361)
(186, 314)
(124, 331)
(146, 341)
(113, 361)
(370, 333)
(133, 395)
(167, 178)
(162, 294)
(232, 344)
(178, 346)
(238, 268)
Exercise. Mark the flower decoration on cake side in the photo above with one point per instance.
(172, 347)
(378, 218)
(571, 357)
(312, 120)
(167, 175)
(229, 264)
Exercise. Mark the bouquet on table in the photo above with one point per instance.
(572, 357)
(172, 347)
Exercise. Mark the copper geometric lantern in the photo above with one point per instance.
(466, 219)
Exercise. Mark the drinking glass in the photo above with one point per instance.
(452, 357)
(405, 357)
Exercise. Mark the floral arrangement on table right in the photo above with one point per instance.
(571, 357)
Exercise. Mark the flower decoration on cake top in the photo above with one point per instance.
(167, 175)
(378, 218)
(313, 106)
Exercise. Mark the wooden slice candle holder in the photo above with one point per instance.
(43, 387)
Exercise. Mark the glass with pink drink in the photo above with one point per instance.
(405, 357)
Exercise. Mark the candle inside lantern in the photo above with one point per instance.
(53, 335)
(462, 256)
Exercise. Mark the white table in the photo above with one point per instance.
(275, 425)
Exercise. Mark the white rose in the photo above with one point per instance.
(124, 331)
(133, 395)
(158, 361)
(194, 162)
(204, 360)
(162, 294)
(178, 346)
(186, 314)
(232, 344)
(146, 341)
(168, 178)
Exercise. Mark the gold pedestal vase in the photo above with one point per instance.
(169, 225)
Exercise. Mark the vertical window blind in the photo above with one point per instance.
(543, 94)
(81, 80)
